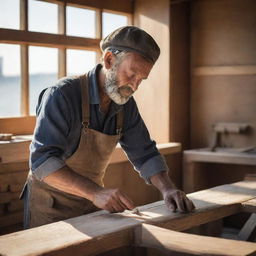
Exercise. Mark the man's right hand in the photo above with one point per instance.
(112, 200)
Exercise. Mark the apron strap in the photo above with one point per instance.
(85, 101)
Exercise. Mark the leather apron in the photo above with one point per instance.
(90, 160)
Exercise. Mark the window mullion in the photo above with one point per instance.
(98, 23)
(24, 60)
(62, 53)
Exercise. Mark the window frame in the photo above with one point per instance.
(61, 41)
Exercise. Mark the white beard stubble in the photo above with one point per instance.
(112, 89)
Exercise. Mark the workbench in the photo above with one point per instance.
(193, 180)
(156, 227)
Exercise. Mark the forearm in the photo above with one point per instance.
(162, 181)
(66, 180)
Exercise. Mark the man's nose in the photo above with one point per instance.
(135, 85)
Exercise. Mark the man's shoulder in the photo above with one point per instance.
(67, 83)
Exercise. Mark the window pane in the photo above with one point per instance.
(9, 80)
(80, 62)
(43, 17)
(10, 14)
(112, 22)
(80, 22)
(43, 72)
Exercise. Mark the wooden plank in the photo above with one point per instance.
(4, 188)
(13, 178)
(225, 70)
(24, 80)
(2, 209)
(62, 58)
(205, 155)
(14, 206)
(172, 241)
(16, 187)
(26, 125)
(249, 206)
(9, 220)
(24, 60)
(14, 167)
(92, 230)
(7, 197)
(24, 15)
(248, 230)
(48, 40)
(14, 151)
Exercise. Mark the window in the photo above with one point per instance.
(80, 22)
(80, 62)
(30, 62)
(10, 14)
(43, 72)
(43, 17)
(112, 21)
(10, 88)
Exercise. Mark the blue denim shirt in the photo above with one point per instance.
(58, 128)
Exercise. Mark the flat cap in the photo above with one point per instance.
(131, 38)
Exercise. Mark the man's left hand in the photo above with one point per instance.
(176, 199)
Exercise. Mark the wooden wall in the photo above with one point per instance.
(153, 94)
(223, 50)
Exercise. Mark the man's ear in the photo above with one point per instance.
(108, 59)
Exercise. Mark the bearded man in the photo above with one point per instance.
(79, 122)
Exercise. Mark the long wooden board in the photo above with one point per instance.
(102, 231)
(173, 241)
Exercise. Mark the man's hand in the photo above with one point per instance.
(112, 200)
(177, 200)
(174, 198)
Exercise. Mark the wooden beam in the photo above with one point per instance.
(49, 40)
(248, 231)
(101, 231)
(249, 206)
(24, 59)
(172, 241)
(121, 6)
(205, 155)
(99, 24)
(18, 125)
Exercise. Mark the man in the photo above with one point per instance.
(79, 122)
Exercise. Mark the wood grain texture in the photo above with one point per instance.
(172, 241)
(153, 94)
(249, 206)
(101, 231)
(26, 125)
(9, 220)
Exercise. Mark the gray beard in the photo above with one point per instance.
(112, 89)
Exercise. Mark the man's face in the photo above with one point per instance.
(123, 78)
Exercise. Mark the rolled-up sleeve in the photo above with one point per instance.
(48, 147)
(138, 146)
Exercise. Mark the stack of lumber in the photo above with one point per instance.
(101, 231)
(12, 179)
